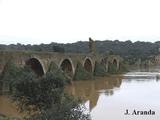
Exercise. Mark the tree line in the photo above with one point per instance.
(125, 49)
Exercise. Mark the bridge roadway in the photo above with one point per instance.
(40, 61)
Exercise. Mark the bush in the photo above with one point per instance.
(53, 68)
(38, 92)
(112, 68)
(68, 109)
(123, 68)
(46, 98)
(9, 75)
(100, 70)
(82, 74)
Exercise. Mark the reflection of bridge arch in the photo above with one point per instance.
(90, 93)
(36, 65)
(67, 66)
(88, 64)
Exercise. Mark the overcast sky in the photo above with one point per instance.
(66, 21)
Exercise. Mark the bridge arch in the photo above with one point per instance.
(88, 64)
(36, 65)
(115, 62)
(67, 67)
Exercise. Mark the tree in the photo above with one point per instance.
(46, 97)
(9, 75)
(58, 49)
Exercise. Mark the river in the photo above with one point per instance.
(108, 98)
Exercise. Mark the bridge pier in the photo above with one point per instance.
(40, 61)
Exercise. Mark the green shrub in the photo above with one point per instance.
(47, 96)
(122, 68)
(9, 75)
(112, 68)
(82, 74)
(53, 68)
(68, 109)
(100, 69)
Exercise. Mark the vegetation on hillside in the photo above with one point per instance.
(135, 49)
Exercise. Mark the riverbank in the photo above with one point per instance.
(8, 108)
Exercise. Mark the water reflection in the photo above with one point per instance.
(89, 90)
(108, 98)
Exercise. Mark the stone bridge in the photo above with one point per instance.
(40, 61)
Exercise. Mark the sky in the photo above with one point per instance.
(67, 21)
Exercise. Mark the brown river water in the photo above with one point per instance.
(108, 98)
